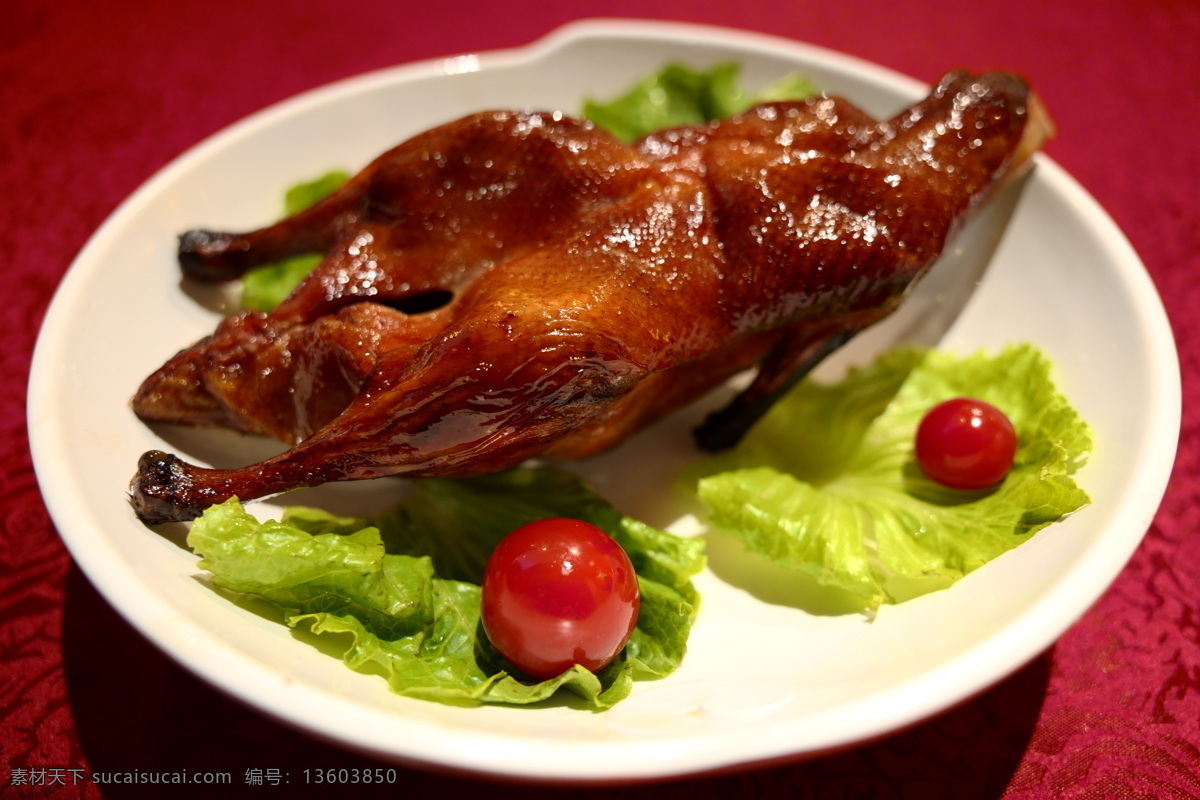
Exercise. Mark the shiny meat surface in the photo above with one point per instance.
(515, 284)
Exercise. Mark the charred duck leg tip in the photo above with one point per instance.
(724, 428)
(157, 489)
(210, 256)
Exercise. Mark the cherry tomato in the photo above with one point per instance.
(965, 443)
(559, 592)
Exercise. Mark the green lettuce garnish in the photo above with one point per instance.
(826, 484)
(264, 287)
(680, 95)
(404, 585)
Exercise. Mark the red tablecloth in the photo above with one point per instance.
(96, 95)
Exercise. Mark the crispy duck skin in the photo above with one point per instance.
(514, 285)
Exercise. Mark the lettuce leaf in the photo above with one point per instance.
(680, 95)
(264, 287)
(826, 484)
(404, 585)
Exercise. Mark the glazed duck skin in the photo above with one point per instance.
(514, 285)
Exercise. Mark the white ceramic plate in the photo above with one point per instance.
(768, 675)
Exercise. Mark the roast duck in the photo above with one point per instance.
(516, 285)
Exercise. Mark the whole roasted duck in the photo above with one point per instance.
(514, 285)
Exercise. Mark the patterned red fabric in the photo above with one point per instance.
(97, 95)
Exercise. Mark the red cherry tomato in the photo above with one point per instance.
(965, 443)
(559, 592)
